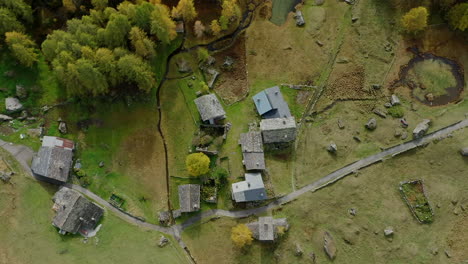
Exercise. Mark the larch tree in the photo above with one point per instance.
(99, 4)
(458, 16)
(22, 48)
(215, 27)
(185, 10)
(162, 25)
(8, 22)
(241, 235)
(415, 20)
(141, 44)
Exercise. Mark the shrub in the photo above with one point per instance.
(205, 140)
(220, 174)
(241, 235)
(396, 111)
(415, 20)
(197, 164)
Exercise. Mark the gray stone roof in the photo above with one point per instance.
(252, 150)
(53, 163)
(209, 107)
(75, 213)
(189, 198)
(252, 189)
(277, 130)
(271, 104)
(265, 229)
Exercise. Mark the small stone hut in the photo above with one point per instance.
(266, 228)
(278, 130)
(189, 198)
(252, 150)
(75, 213)
(210, 108)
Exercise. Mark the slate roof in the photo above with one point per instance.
(265, 229)
(252, 150)
(252, 189)
(53, 163)
(209, 107)
(189, 198)
(271, 104)
(48, 141)
(75, 213)
(276, 130)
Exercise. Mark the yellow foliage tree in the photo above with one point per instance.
(215, 27)
(415, 20)
(22, 48)
(185, 10)
(241, 235)
(197, 164)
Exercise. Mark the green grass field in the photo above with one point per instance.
(26, 204)
(434, 76)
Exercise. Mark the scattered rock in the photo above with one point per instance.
(352, 211)
(320, 43)
(101, 164)
(371, 124)
(329, 245)
(77, 165)
(404, 135)
(45, 108)
(211, 60)
(309, 119)
(228, 62)
(24, 115)
(332, 148)
(388, 105)
(22, 136)
(454, 201)
(298, 251)
(394, 100)
(429, 97)
(341, 124)
(397, 133)
(388, 232)
(5, 176)
(357, 138)
(379, 113)
(376, 86)
(456, 211)
(62, 127)
(319, 2)
(21, 91)
(299, 18)
(193, 77)
(312, 257)
(213, 76)
(434, 251)
(403, 123)
(9, 74)
(464, 152)
(354, 19)
(5, 118)
(190, 84)
(343, 60)
(163, 241)
(421, 128)
(447, 253)
(12, 104)
(35, 132)
(183, 66)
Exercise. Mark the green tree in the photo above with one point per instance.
(415, 20)
(115, 33)
(215, 27)
(162, 25)
(185, 9)
(84, 78)
(137, 71)
(142, 45)
(197, 164)
(99, 4)
(202, 54)
(241, 235)
(22, 48)
(19, 8)
(8, 22)
(458, 16)
(229, 9)
(143, 16)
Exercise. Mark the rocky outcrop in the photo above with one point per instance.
(329, 246)
(394, 100)
(464, 151)
(332, 148)
(5, 118)
(371, 124)
(421, 129)
(12, 104)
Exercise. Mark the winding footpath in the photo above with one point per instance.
(24, 155)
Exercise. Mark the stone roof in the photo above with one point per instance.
(75, 213)
(209, 107)
(266, 228)
(189, 198)
(53, 163)
(48, 141)
(252, 150)
(252, 189)
(271, 104)
(276, 130)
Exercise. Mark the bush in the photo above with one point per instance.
(202, 54)
(197, 164)
(220, 174)
(396, 111)
(241, 235)
(415, 20)
(205, 140)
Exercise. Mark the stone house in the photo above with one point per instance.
(252, 189)
(252, 150)
(189, 198)
(278, 130)
(210, 108)
(53, 161)
(75, 213)
(271, 104)
(266, 228)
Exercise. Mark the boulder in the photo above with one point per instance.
(299, 18)
(388, 105)
(62, 127)
(312, 257)
(352, 211)
(376, 86)
(354, 19)
(163, 241)
(332, 148)
(183, 66)
(21, 91)
(341, 124)
(12, 104)
(5, 118)
(228, 62)
(421, 128)
(298, 251)
(329, 245)
(371, 124)
(24, 115)
(379, 113)
(357, 138)
(429, 97)
(404, 123)
(320, 43)
(101, 164)
(394, 100)
(213, 76)
(388, 231)
(77, 165)
(211, 60)
(319, 2)
(464, 152)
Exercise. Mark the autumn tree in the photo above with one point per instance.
(185, 10)
(215, 27)
(8, 22)
(415, 20)
(99, 4)
(22, 48)
(229, 9)
(135, 70)
(198, 29)
(241, 235)
(197, 164)
(458, 16)
(141, 44)
(162, 25)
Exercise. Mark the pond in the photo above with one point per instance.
(281, 9)
(433, 80)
